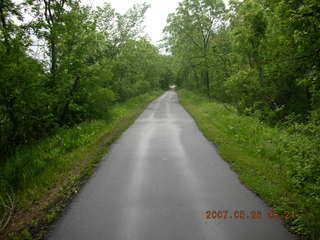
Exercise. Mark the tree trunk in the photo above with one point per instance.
(5, 27)
(207, 81)
(53, 69)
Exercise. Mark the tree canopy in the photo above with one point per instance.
(66, 63)
(261, 56)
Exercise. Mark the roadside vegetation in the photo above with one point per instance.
(69, 75)
(39, 178)
(256, 65)
(280, 164)
(70, 72)
(63, 63)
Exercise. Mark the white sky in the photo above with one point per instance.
(156, 16)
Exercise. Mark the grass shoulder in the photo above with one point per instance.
(269, 161)
(39, 180)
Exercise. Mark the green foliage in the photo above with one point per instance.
(262, 56)
(241, 89)
(99, 102)
(189, 37)
(67, 64)
(46, 173)
(33, 166)
(23, 110)
(291, 156)
(261, 61)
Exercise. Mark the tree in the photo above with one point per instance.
(21, 94)
(190, 31)
(93, 59)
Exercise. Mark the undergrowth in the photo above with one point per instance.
(281, 165)
(33, 171)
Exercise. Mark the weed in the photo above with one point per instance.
(282, 167)
(51, 170)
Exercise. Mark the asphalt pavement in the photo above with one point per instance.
(161, 180)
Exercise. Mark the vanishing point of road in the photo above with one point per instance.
(157, 183)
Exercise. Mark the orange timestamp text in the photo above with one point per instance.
(245, 214)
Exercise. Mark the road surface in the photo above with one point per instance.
(158, 181)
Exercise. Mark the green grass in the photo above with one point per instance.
(281, 167)
(45, 171)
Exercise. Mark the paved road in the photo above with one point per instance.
(158, 181)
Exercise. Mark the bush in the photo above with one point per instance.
(285, 160)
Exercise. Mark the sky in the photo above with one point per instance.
(156, 16)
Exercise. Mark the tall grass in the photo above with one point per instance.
(281, 166)
(33, 170)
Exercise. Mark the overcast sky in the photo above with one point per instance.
(156, 17)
